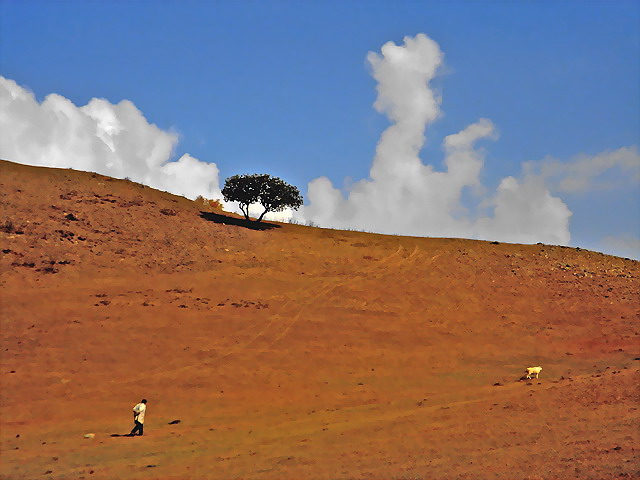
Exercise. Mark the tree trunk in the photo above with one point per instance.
(262, 215)
(245, 211)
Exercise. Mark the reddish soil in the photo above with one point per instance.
(297, 352)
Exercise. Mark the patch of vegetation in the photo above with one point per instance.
(7, 226)
(209, 204)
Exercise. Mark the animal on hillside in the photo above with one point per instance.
(533, 371)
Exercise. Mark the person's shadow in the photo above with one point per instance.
(240, 222)
(121, 435)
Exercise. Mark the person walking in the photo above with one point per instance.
(138, 418)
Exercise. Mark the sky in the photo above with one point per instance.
(510, 121)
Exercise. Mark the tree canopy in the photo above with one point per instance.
(272, 193)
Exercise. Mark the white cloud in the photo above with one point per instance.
(587, 172)
(115, 140)
(406, 196)
(525, 212)
(623, 246)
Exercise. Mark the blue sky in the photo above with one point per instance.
(285, 87)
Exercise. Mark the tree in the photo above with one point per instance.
(272, 193)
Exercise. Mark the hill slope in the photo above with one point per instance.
(297, 352)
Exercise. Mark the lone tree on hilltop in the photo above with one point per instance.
(271, 192)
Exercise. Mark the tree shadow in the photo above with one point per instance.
(239, 222)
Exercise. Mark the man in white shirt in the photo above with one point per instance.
(138, 417)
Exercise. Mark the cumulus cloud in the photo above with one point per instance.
(115, 140)
(590, 172)
(623, 246)
(406, 196)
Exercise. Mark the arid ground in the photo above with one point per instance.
(300, 353)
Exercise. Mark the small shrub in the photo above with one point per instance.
(209, 204)
(7, 227)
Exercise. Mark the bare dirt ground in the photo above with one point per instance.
(297, 352)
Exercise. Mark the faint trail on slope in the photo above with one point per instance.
(278, 314)
(325, 289)
(295, 319)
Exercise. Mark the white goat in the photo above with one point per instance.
(533, 370)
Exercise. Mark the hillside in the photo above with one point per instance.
(300, 353)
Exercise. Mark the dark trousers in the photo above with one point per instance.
(138, 428)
